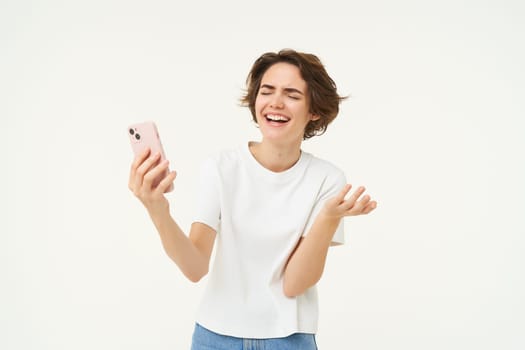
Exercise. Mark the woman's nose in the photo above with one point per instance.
(277, 101)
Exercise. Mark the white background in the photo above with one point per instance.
(434, 128)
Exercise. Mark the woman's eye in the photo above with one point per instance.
(294, 97)
(265, 93)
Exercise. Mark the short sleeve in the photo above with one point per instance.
(330, 188)
(208, 209)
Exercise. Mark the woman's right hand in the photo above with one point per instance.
(144, 170)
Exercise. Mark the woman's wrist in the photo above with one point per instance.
(159, 214)
(325, 225)
(329, 218)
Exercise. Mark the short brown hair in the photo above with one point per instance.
(322, 91)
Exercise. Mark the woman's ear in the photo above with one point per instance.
(315, 117)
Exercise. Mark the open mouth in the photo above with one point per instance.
(277, 118)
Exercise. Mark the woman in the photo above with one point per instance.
(272, 209)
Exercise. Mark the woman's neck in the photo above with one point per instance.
(276, 158)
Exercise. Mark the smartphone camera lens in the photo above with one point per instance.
(137, 136)
(131, 131)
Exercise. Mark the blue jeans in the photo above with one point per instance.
(204, 339)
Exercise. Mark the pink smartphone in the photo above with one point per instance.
(143, 135)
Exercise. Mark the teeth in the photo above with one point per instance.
(276, 117)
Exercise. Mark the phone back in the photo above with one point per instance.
(143, 135)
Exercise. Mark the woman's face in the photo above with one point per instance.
(282, 108)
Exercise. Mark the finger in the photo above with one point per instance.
(341, 196)
(365, 200)
(166, 183)
(144, 168)
(155, 173)
(359, 205)
(369, 207)
(351, 201)
(364, 210)
(137, 161)
(355, 196)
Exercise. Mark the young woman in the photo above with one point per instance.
(271, 209)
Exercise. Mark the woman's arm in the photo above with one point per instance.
(306, 264)
(191, 254)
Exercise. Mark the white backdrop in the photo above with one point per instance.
(434, 129)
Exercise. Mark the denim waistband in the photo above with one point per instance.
(205, 339)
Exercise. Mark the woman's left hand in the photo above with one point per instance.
(356, 204)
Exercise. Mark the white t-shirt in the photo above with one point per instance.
(259, 216)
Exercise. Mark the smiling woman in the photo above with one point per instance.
(320, 90)
(281, 107)
(272, 209)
